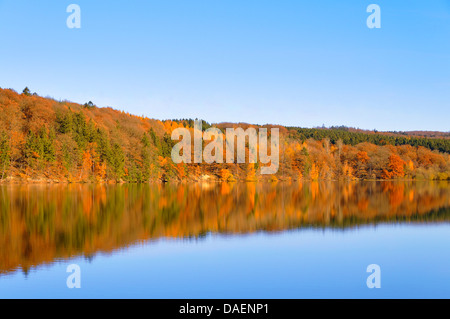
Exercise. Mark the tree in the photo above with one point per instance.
(362, 157)
(117, 162)
(69, 153)
(64, 122)
(26, 91)
(396, 166)
(48, 145)
(314, 174)
(5, 153)
(347, 170)
(166, 145)
(89, 105)
(305, 162)
(338, 163)
(250, 173)
(361, 164)
(226, 176)
(145, 140)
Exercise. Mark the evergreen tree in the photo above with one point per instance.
(5, 153)
(64, 122)
(166, 145)
(117, 161)
(26, 91)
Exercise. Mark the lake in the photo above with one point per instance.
(229, 240)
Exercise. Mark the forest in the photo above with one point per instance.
(45, 140)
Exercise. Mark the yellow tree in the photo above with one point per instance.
(314, 174)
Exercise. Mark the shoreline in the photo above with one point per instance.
(218, 181)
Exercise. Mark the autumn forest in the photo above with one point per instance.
(45, 140)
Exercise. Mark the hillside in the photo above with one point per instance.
(44, 140)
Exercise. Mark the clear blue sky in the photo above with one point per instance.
(302, 63)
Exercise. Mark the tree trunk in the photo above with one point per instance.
(3, 173)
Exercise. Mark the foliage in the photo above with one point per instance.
(46, 139)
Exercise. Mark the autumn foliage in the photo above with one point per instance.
(44, 140)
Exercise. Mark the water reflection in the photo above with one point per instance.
(42, 223)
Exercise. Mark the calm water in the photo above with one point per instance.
(240, 240)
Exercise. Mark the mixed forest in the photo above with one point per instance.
(45, 140)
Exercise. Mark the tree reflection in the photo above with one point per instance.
(40, 223)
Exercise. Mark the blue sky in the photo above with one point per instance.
(302, 63)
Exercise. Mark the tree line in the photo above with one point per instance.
(353, 138)
(42, 139)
